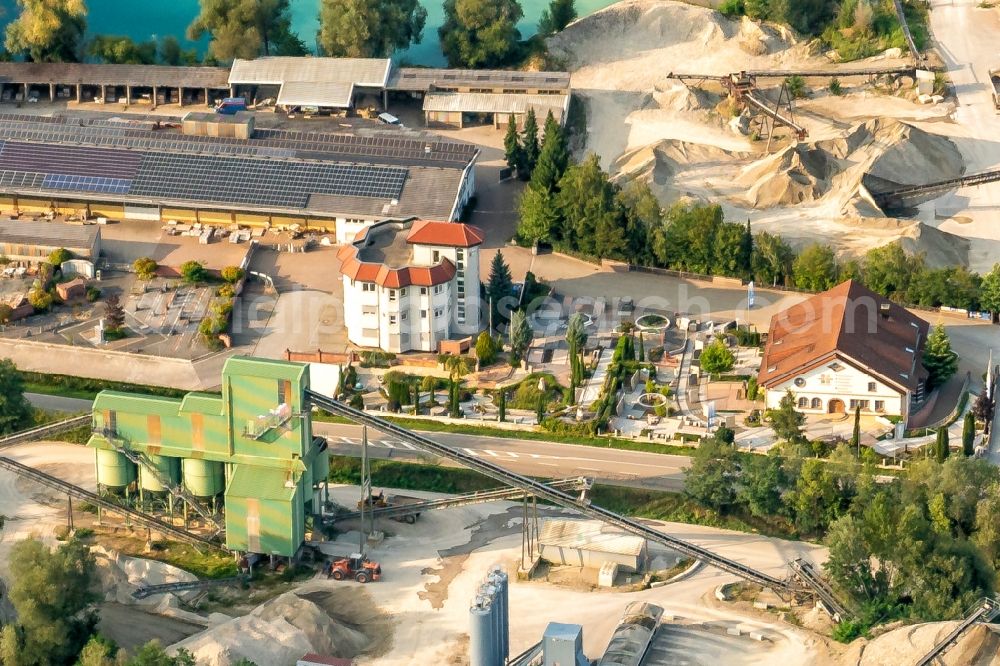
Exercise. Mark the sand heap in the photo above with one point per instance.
(121, 575)
(810, 171)
(906, 645)
(276, 634)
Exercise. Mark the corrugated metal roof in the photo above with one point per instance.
(493, 102)
(138, 404)
(28, 232)
(275, 70)
(264, 367)
(311, 93)
(589, 535)
(202, 403)
(134, 75)
(261, 483)
(425, 78)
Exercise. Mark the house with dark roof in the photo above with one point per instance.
(845, 348)
(410, 285)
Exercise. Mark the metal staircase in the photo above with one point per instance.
(805, 572)
(985, 610)
(177, 490)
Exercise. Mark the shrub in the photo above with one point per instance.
(225, 291)
(232, 274)
(796, 86)
(93, 293)
(145, 268)
(193, 272)
(835, 88)
(732, 8)
(57, 257)
(40, 299)
(5, 313)
(486, 348)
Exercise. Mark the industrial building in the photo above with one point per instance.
(846, 348)
(410, 285)
(142, 170)
(591, 544)
(251, 448)
(31, 242)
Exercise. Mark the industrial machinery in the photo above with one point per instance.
(995, 80)
(380, 501)
(357, 566)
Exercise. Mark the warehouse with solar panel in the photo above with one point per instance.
(219, 169)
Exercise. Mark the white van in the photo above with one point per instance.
(388, 119)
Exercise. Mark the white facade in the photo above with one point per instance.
(838, 387)
(416, 317)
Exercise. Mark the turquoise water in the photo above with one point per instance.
(142, 19)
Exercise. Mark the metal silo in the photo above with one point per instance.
(114, 470)
(498, 578)
(165, 467)
(482, 640)
(203, 478)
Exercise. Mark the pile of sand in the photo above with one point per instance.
(885, 148)
(980, 646)
(276, 633)
(120, 575)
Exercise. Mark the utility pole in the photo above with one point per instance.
(366, 485)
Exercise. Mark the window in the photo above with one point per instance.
(284, 391)
(423, 314)
(854, 403)
(803, 403)
(402, 292)
(872, 387)
(423, 291)
(392, 295)
(863, 404)
(438, 312)
(816, 404)
(367, 286)
(436, 256)
(880, 405)
(460, 254)
(368, 311)
(403, 316)
(392, 319)
(800, 382)
(438, 289)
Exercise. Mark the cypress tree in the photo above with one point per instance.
(529, 144)
(969, 434)
(503, 405)
(553, 158)
(642, 349)
(540, 409)
(856, 435)
(499, 286)
(512, 145)
(942, 448)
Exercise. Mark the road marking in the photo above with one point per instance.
(534, 455)
(491, 453)
(548, 464)
(407, 445)
(512, 454)
(386, 443)
(349, 440)
(470, 451)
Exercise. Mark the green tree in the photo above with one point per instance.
(576, 338)
(40, 299)
(761, 483)
(98, 652)
(687, 241)
(771, 259)
(553, 159)
(989, 291)
(486, 348)
(939, 359)
(170, 52)
(752, 388)
(246, 29)
(480, 33)
(809, 17)
(512, 146)
(717, 358)
(645, 219)
(119, 49)
(145, 268)
(232, 274)
(48, 30)
(6, 312)
(558, 15)
(539, 217)
(815, 268)
(942, 448)
(856, 433)
(889, 271)
(369, 28)
(15, 410)
(814, 498)
(502, 405)
(57, 257)
(193, 272)
(786, 422)
(711, 477)
(51, 592)
(153, 654)
(499, 290)
(114, 314)
(969, 434)
(540, 409)
(592, 216)
(429, 384)
(530, 147)
(520, 336)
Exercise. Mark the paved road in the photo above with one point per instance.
(55, 403)
(550, 459)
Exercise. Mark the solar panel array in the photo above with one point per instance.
(238, 180)
(59, 181)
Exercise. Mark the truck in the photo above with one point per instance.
(230, 106)
(995, 80)
(381, 500)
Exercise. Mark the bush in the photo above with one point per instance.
(796, 86)
(57, 257)
(232, 274)
(225, 291)
(93, 293)
(486, 348)
(526, 395)
(732, 8)
(193, 272)
(145, 268)
(5, 313)
(835, 88)
(40, 300)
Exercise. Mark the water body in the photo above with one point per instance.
(145, 19)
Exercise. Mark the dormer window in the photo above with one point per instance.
(836, 367)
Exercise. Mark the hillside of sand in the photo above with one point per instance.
(683, 141)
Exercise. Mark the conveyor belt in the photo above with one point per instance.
(80, 493)
(45, 431)
(149, 590)
(762, 106)
(808, 575)
(897, 196)
(901, 15)
(984, 611)
(542, 491)
(467, 499)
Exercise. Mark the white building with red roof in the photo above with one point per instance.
(409, 285)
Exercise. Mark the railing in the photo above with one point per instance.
(984, 611)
